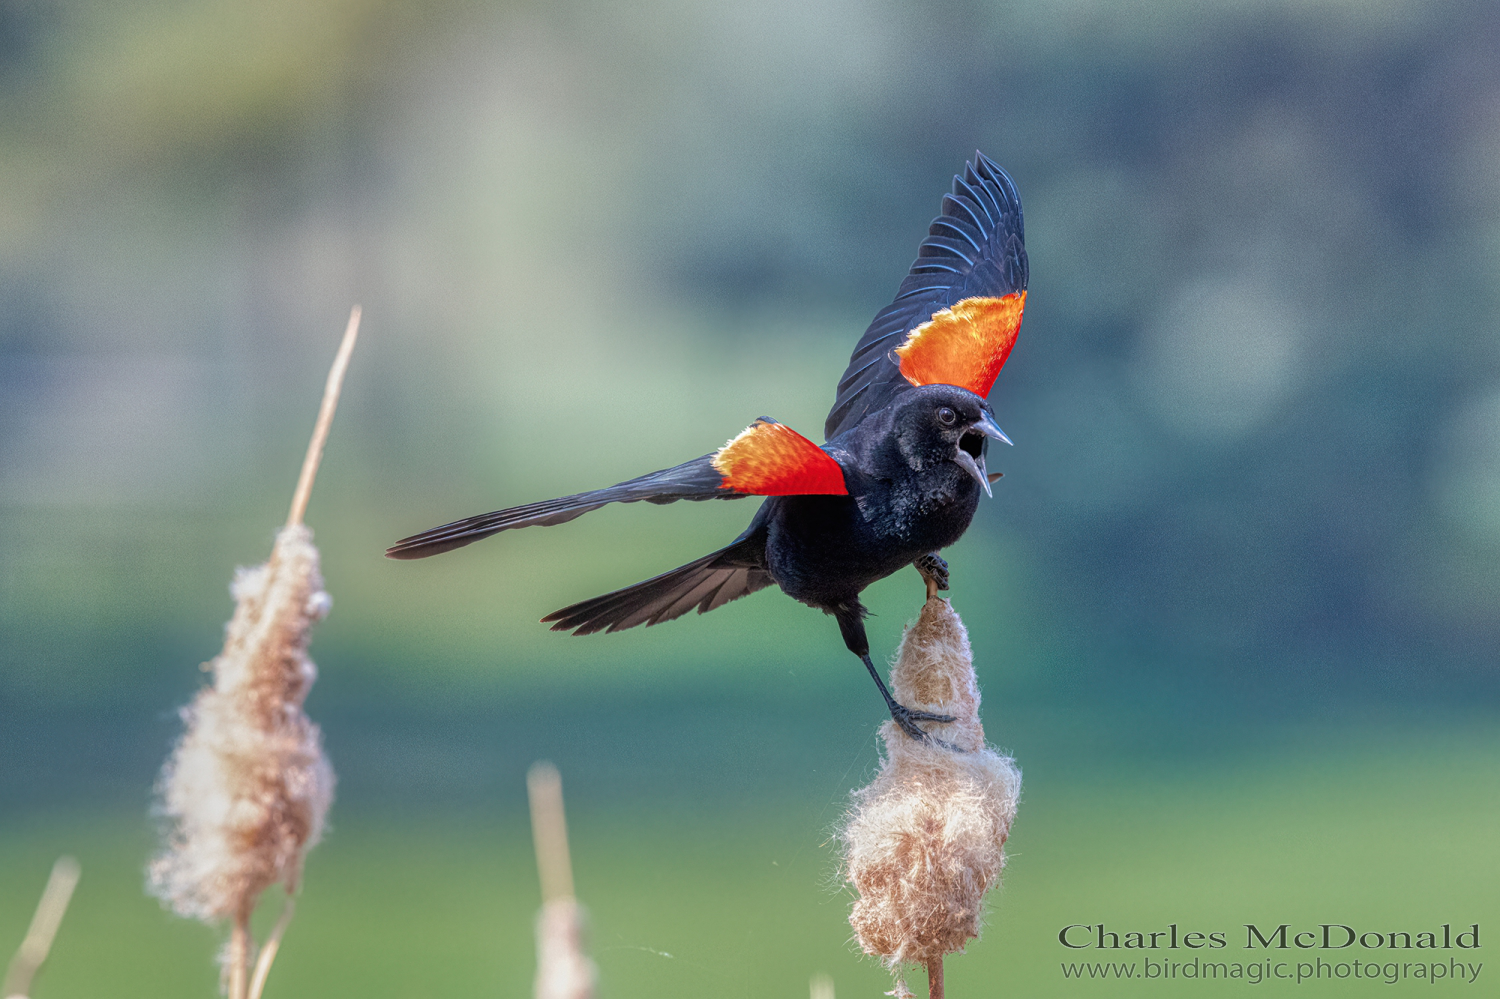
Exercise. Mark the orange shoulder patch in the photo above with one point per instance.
(965, 344)
(771, 459)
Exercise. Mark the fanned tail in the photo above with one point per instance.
(706, 584)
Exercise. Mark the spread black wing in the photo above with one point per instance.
(692, 480)
(977, 247)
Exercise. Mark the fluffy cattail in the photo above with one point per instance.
(247, 786)
(563, 970)
(925, 841)
(246, 789)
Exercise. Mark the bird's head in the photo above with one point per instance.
(936, 423)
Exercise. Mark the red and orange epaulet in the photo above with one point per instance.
(965, 344)
(771, 459)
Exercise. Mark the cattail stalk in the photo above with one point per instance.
(270, 947)
(563, 969)
(331, 389)
(37, 943)
(247, 788)
(925, 840)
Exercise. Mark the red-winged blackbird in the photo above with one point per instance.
(899, 478)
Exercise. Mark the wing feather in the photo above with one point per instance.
(692, 480)
(975, 248)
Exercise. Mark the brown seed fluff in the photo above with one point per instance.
(247, 787)
(925, 841)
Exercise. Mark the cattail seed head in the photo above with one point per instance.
(925, 841)
(246, 789)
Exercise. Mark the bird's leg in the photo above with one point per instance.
(935, 571)
(853, 630)
(902, 715)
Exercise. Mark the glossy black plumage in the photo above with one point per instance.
(912, 460)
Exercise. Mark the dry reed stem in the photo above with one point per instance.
(331, 389)
(563, 970)
(549, 831)
(247, 787)
(239, 955)
(270, 947)
(925, 840)
(820, 987)
(935, 977)
(37, 943)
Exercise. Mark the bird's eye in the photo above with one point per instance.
(946, 416)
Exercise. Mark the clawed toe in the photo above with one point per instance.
(907, 720)
(910, 727)
(934, 570)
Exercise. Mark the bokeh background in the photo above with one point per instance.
(1234, 602)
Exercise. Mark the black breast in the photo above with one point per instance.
(823, 550)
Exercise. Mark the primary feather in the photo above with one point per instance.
(976, 248)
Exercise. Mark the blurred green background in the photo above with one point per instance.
(1233, 605)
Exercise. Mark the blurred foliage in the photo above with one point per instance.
(1255, 401)
(1249, 537)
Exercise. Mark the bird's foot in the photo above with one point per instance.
(934, 570)
(906, 719)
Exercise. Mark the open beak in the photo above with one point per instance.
(975, 466)
(987, 426)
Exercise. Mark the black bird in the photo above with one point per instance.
(898, 479)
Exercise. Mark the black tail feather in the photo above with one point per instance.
(707, 583)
